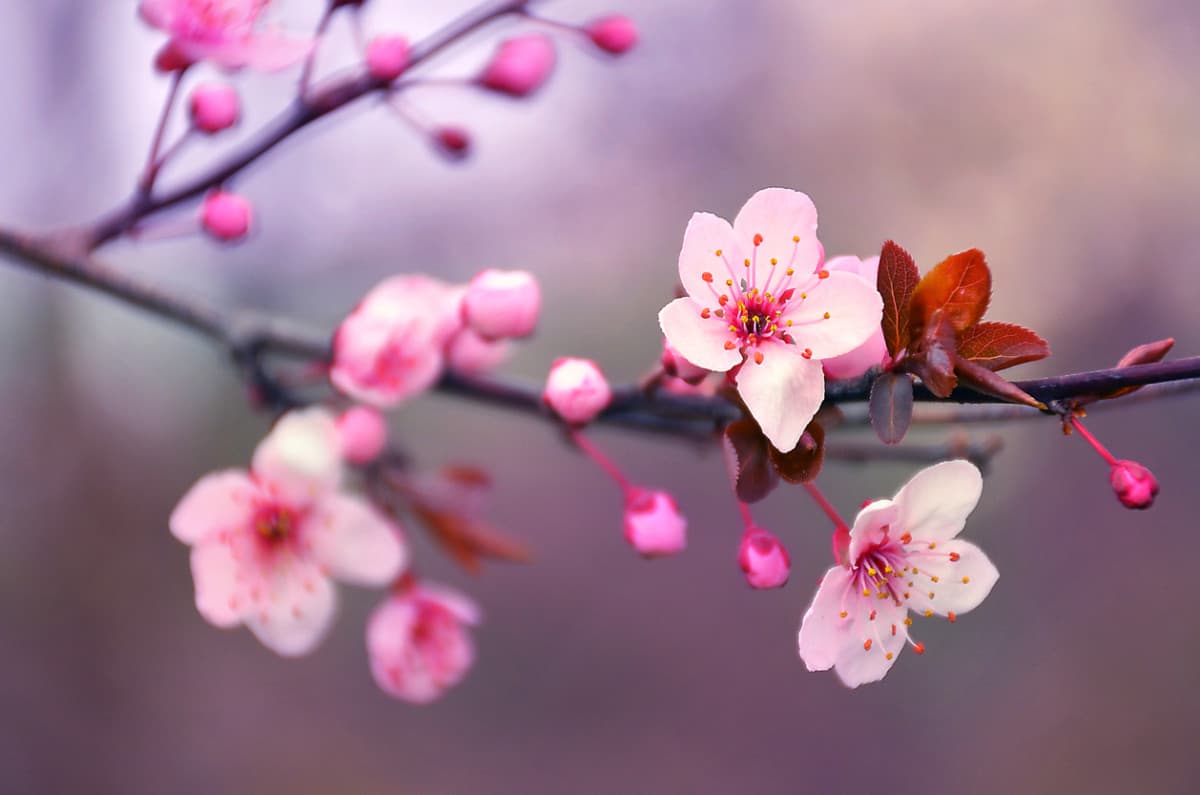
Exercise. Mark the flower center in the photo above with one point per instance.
(275, 523)
(877, 567)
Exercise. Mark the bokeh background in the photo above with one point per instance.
(1059, 137)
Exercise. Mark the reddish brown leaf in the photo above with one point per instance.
(931, 357)
(959, 286)
(898, 277)
(891, 406)
(468, 542)
(802, 464)
(1000, 345)
(749, 461)
(983, 380)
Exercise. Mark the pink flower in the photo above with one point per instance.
(362, 434)
(870, 353)
(226, 216)
(391, 347)
(577, 390)
(615, 34)
(266, 543)
(418, 643)
(904, 555)
(469, 353)
(387, 57)
(756, 309)
(502, 304)
(653, 524)
(222, 31)
(764, 559)
(520, 65)
(215, 107)
(1135, 486)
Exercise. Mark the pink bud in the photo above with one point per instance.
(387, 57)
(674, 364)
(452, 141)
(653, 524)
(576, 390)
(520, 65)
(502, 304)
(362, 434)
(764, 559)
(1135, 486)
(226, 216)
(214, 107)
(470, 353)
(171, 59)
(615, 34)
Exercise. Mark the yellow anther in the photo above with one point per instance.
(774, 261)
(844, 614)
(803, 296)
(729, 282)
(826, 315)
(934, 578)
(907, 621)
(931, 594)
(718, 252)
(866, 591)
(872, 572)
(888, 655)
(789, 324)
(966, 580)
(932, 544)
(746, 263)
(790, 271)
(887, 569)
(928, 613)
(795, 238)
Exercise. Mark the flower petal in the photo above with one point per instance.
(869, 526)
(824, 632)
(218, 501)
(879, 634)
(271, 51)
(934, 505)
(215, 574)
(300, 458)
(298, 609)
(355, 542)
(783, 392)
(965, 577)
(835, 315)
(700, 340)
(706, 234)
(780, 215)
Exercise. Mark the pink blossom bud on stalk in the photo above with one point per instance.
(615, 34)
(470, 353)
(502, 304)
(764, 559)
(576, 390)
(452, 141)
(387, 57)
(214, 107)
(520, 65)
(1135, 486)
(675, 365)
(653, 524)
(226, 216)
(362, 434)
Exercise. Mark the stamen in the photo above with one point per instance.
(966, 580)
(729, 345)
(867, 645)
(954, 556)
(822, 274)
(826, 315)
(806, 353)
(758, 357)
(706, 276)
(758, 240)
(950, 615)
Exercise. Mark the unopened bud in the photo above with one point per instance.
(171, 59)
(653, 524)
(226, 216)
(362, 434)
(1135, 486)
(502, 304)
(454, 142)
(387, 57)
(520, 65)
(214, 107)
(764, 559)
(576, 390)
(615, 34)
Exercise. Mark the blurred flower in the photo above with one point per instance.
(764, 559)
(362, 434)
(226, 216)
(469, 353)
(577, 390)
(653, 524)
(214, 107)
(502, 304)
(903, 555)
(520, 66)
(387, 57)
(773, 331)
(418, 642)
(870, 353)
(391, 346)
(615, 34)
(265, 543)
(222, 31)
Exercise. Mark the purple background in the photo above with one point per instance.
(1060, 138)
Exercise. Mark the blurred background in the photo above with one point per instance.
(1058, 137)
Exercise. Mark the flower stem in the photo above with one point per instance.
(1074, 422)
(841, 533)
(153, 162)
(604, 462)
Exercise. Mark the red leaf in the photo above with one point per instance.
(802, 464)
(959, 286)
(747, 451)
(469, 542)
(999, 345)
(898, 277)
(983, 380)
(931, 357)
(891, 406)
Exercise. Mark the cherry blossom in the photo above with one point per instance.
(214, 107)
(392, 346)
(1135, 486)
(653, 524)
(502, 304)
(362, 434)
(268, 543)
(577, 390)
(520, 66)
(903, 555)
(615, 34)
(418, 643)
(870, 353)
(387, 57)
(764, 559)
(225, 32)
(226, 216)
(755, 308)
